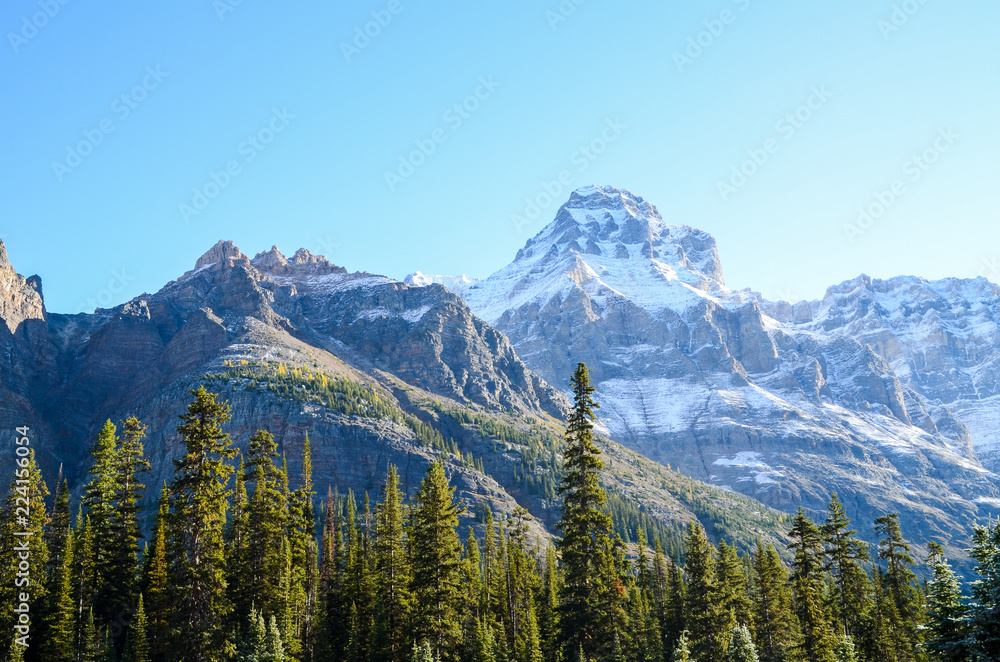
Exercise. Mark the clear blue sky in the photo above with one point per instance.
(113, 226)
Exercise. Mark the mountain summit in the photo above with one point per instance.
(783, 403)
(606, 241)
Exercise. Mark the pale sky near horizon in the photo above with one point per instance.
(137, 135)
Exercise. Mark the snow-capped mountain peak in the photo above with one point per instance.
(609, 242)
(883, 391)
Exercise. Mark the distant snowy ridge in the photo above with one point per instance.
(457, 284)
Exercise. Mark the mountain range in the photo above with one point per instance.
(717, 405)
(883, 391)
(373, 370)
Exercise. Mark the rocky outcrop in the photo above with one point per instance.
(26, 359)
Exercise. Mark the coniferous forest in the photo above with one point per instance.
(247, 563)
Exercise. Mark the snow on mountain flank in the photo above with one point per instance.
(887, 392)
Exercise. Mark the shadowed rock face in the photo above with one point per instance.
(425, 336)
(881, 391)
(234, 323)
(26, 359)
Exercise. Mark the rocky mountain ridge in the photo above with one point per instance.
(373, 370)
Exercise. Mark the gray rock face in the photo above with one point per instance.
(415, 368)
(878, 392)
(939, 337)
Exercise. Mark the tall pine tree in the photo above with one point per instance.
(847, 556)
(774, 623)
(706, 617)
(807, 587)
(198, 515)
(393, 571)
(436, 563)
(586, 528)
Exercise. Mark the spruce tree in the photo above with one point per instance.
(947, 631)
(675, 611)
(392, 570)
(361, 586)
(548, 612)
(198, 515)
(125, 527)
(137, 643)
(682, 650)
(83, 576)
(741, 647)
(253, 645)
(58, 643)
(484, 647)
(267, 518)
(472, 580)
(901, 582)
(881, 636)
(844, 650)
(586, 530)
(733, 587)
(274, 647)
(706, 618)
(100, 499)
(89, 647)
(847, 556)
(984, 610)
(436, 563)
(522, 582)
(423, 652)
(303, 572)
(60, 525)
(237, 539)
(807, 588)
(645, 640)
(337, 599)
(774, 623)
(58, 574)
(155, 582)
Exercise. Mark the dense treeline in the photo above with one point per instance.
(243, 563)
